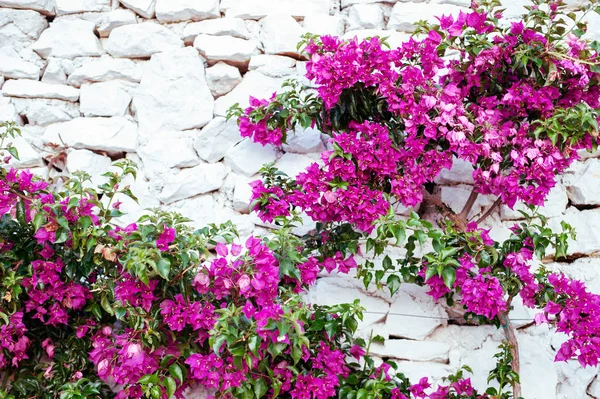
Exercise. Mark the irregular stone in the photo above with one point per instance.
(201, 210)
(19, 28)
(90, 162)
(185, 10)
(235, 27)
(348, 3)
(172, 152)
(586, 225)
(304, 141)
(222, 78)
(257, 9)
(68, 39)
(280, 35)
(46, 7)
(173, 94)
(110, 98)
(14, 67)
(573, 380)
(145, 8)
(583, 269)
(456, 197)
(403, 17)
(26, 88)
(248, 157)
(583, 188)
(555, 205)
(538, 374)
(141, 40)
(45, 112)
(114, 19)
(419, 351)
(216, 139)
(55, 71)
(116, 134)
(29, 157)
(394, 39)
(413, 300)
(293, 164)
(365, 16)
(193, 181)
(106, 68)
(64, 7)
(461, 172)
(275, 66)
(241, 194)
(322, 24)
(8, 111)
(230, 49)
(253, 84)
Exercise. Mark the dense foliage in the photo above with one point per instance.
(92, 308)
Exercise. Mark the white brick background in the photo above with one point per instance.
(152, 80)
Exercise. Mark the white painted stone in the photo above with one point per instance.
(573, 380)
(46, 7)
(200, 209)
(248, 157)
(14, 67)
(141, 40)
(222, 78)
(338, 290)
(413, 300)
(8, 111)
(280, 34)
(172, 152)
(254, 84)
(235, 27)
(216, 139)
(404, 16)
(111, 20)
(110, 98)
(405, 349)
(173, 94)
(29, 157)
(304, 141)
(241, 194)
(555, 205)
(93, 164)
(185, 10)
(144, 8)
(394, 39)
(347, 3)
(56, 71)
(275, 66)
(365, 16)
(257, 9)
(232, 50)
(45, 111)
(64, 7)
(461, 172)
(104, 69)
(19, 28)
(116, 134)
(193, 181)
(586, 225)
(538, 374)
(26, 88)
(456, 197)
(1, 81)
(583, 188)
(322, 24)
(583, 269)
(292, 164)
(68, 39)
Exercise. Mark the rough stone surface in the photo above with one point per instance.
(110, 98)
(241, 194)
(186, 10)
(19, 28)
(115, 134)
(222, 78)
(14, 67)
(47, 7)
(304, 141)
(105, 69)
(144, 8)
(365, 16)
(235, 27)
(586, 224)
(216, 139)
(292, 164)
(280, 34)
(256, 9)
(160, 153)
(247, 157)
(68, 39)
(583, 187)
(254, 84)
(141, 40)
(421, 351)
(461, 172)
(26, 88)
(275, 66)
(56, 71)
(555, 205)
(44, 112)
(173, 94)
(403, 18)
(78, 6)
(230, 49)
(193, 181)
(87, 161)
(114, 19)
(322, 24)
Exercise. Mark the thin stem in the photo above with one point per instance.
(469, 204)
(511, 336)
(489, 211)
(5, 381)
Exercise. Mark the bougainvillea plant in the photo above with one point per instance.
(93, 308)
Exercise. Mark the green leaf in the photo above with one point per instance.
(85, 222)
(260, 388)
(449, 276)
(254, 344)
(170, 386)
(175, 371)
(219, 340)
(38, 220)
(13, 151)
(155, 392)
(164, 268)
(399, 233)
(393, 283)
(106, 305)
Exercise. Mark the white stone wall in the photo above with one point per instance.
(151, 80)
